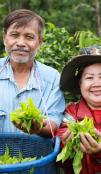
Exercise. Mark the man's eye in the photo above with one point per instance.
(30, 37)
(14, 34)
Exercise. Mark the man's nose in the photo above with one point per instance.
(21, 41)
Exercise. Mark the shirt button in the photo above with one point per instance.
(18, 96)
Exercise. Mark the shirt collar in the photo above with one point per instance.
(83, 110)
(5, 69)
(35, 80)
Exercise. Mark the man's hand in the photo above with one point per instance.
(35, 128)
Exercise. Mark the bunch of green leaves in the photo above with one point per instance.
(6, 158)
(55, 47)
(26, 113)
(72, 149)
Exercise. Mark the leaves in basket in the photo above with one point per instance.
(7, 159)
(26, 113)
(31, 170)
(68, 151)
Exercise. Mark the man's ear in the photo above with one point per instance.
(4, 37)
(40, 40)
(3, 34)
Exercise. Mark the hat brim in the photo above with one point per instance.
(68, 81)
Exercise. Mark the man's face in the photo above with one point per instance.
(22, 43)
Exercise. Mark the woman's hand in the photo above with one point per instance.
(66, 137)
(88, 144)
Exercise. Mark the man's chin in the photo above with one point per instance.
(20, 60)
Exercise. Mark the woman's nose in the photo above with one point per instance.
(97, 81)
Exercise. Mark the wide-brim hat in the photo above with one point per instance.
(69, 81)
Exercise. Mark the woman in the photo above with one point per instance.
(82, 75)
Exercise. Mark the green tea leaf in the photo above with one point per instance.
(77, 162)
(26, 113)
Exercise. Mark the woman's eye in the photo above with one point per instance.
(88, 77)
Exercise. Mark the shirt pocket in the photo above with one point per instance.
(2, 119)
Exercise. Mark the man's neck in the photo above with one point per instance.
(21, 67)
(21, 72)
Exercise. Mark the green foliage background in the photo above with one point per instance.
(59, 45)
(70, 26)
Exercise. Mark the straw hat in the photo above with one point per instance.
(69, 77)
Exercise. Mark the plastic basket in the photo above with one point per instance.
(30, 146)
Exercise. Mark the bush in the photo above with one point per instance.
(55, 49)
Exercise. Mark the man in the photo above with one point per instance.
(22, 77)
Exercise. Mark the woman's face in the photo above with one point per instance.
(90, 85)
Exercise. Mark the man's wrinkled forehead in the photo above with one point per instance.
(20, 24)
(31, 27)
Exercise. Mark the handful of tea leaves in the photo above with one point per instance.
(85, 126)
(26, 113)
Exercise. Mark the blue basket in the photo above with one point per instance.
(30, 146)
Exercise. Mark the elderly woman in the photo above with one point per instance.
(82, 75)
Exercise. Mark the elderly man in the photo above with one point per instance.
(22, 77)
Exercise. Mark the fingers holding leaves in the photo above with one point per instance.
(28, 117)
(98, 134)
(33, 128)
(67, 136)
(88, 144)
(20, 126)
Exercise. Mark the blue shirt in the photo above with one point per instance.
(42, 87)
